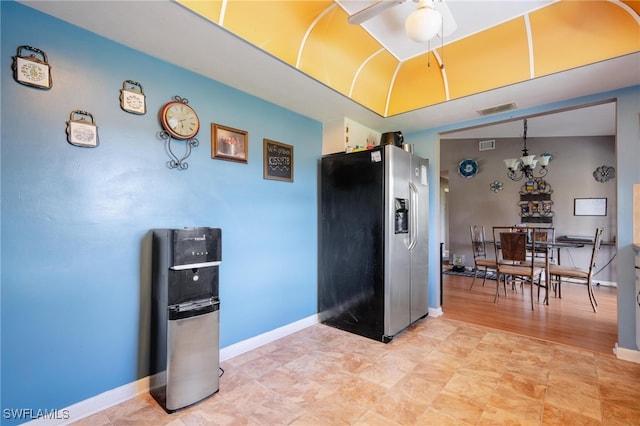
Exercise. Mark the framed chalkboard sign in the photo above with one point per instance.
(278, 161)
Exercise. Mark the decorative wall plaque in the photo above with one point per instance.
(32, 70)
(132, 98)
(82, 129)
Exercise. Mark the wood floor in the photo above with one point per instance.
(569, 320)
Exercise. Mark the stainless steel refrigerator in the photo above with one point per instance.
(373, 241)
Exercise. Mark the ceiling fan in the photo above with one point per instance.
(430, 18)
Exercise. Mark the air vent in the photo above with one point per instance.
(498, 108)
(487, 145)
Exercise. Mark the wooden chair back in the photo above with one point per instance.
(513, 246)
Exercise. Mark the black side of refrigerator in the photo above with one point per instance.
(351, 264)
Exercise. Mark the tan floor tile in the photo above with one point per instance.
(360, 391)
(333, 411)
(516, 404)
(620, 392)
(435, 417)
(400, 408)
(558, 417)
(501, 340)
(458, 348)
(498, 416)
(438, 372)
(419, 387)
(575, 396)
(614, 414)
(490, 364)
(473, 386)
(518, 384)
(459, 407)
(384, 375)
(371, 418)
(98, 419)
(219, 413)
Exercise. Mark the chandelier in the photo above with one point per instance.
(525, 166)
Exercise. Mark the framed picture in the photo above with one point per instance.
(278, 160)
(32, 70)
(229, 144)
(589, 206)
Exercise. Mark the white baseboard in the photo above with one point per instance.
(435, 312)
(627, 354)
(239, 348)
(107, 399)
(93, 405)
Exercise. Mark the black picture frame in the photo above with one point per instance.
(278, 160)
(589, 206)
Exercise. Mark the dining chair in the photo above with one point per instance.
(511, 246)
(544, 235)
(582, 275)
(479, 247)
(543, 254)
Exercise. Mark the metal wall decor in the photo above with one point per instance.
(132, 98)
(82, 129)
(177, 162)
(468, 168)
(32, 70)
(496, 186)
(604, 174)
(535, 205)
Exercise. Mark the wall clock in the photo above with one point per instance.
(179, 120)
(468, 168)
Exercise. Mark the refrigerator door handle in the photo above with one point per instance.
(413, 216)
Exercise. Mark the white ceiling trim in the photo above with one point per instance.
(532, 62)
(362, 65)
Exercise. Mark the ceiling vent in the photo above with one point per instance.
(498, 108)
(487, 145)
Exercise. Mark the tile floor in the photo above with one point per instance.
(438, 372)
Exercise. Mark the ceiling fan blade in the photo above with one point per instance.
(372, 11)
(448, 23)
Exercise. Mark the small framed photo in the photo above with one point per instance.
(229, 144)
(278, 160)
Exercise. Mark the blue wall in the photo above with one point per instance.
(73, 219)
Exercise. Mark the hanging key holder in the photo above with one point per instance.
(132, 98)
(82, 129)
(32, 69)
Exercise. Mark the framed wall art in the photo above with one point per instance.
(230, 144)
(32, 70)
(278, 160)
(589, 206)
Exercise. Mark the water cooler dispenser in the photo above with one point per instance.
(185, 313)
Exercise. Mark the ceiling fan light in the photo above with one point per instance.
(424, 23)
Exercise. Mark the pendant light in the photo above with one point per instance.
(424, 23)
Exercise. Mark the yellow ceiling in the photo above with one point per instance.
(316, 38)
